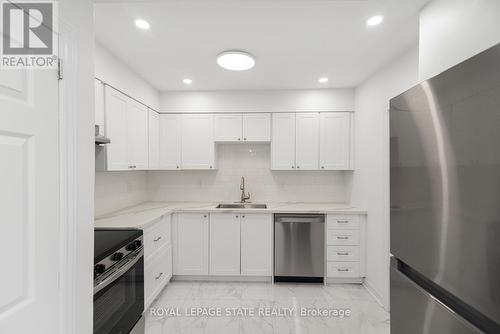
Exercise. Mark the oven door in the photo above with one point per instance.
(119, 299)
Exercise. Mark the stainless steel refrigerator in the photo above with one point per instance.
(445, 201)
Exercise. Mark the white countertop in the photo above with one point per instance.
(141, 215)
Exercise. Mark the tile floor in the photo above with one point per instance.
(186, 298)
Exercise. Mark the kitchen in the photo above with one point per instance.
(263, 167)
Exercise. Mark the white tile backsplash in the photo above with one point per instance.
(253, 162)
(117, 190)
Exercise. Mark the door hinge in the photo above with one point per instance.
(60, 69)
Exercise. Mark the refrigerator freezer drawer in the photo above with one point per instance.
(414, 311)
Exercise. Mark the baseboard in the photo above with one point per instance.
(342, 280)
(375, 294)
(208, 278)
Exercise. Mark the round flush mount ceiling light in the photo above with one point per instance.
(236, 60)
(187, 81)
(374, 20)
(142, 24)
(323, 80)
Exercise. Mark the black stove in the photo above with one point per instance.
(107, 241)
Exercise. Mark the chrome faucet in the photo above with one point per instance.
(244, 197)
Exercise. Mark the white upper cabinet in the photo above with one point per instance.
(154, 139)
(224, 244)
(137, 128)
(257, 127)
(283, 141)
(198, 142)
(127, 127)
(116, 129)
(170, 141)
(335, 138)
(307, 141)
(228, 127)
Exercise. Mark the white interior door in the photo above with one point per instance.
(29, 201)
(170, 141)
(335, 137)
(283, 141)
(307, 141)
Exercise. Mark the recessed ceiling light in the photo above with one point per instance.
(374, 20)
(323, 80)
(142, 24)
(236, 60)
(187, 81)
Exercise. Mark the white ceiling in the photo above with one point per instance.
(294, 42)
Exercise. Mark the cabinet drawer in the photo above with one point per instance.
(343, 237)
(157, 236)
(157, 271)
(343, 222)
(343, 269)
(343, 253)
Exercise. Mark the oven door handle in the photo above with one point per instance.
(119, 272)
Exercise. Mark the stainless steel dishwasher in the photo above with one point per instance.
(299, 247)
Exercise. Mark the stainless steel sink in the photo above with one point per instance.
(241, 206)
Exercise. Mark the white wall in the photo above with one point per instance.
(117, 190)
(370, 181)
(258, 101)
(253, 162)
(453, 30)
(113, 71)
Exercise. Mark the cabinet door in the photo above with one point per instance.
(283, 141)
(197, 142)
(256, 244)
(257, 127)
(227, 127)
(192, 244)
(170, 141)
(137, 128)
(335, 138)
(154, 139)
(224, 244)
(307, 141)
(116, 105)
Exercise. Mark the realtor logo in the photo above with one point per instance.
(29, 36)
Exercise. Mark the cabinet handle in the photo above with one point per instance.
(210, 166)
(159, 275)
(342, 269)
(323, 167)
(204, 216)
(237, 216)
(342, 238)
(293, 166)
(298, 166)
(239, 138)
(157, 239)
(177, 166)
(342, 221)
(342, 253)
(242, 216)
(244, 139)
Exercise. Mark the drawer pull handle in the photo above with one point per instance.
(342, 238)
(343, 221)
(157, 239)
(342, 253)
(342, 269)
(159, 275)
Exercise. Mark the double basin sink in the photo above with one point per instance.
(241, 206)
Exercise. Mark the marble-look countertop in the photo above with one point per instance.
(141, 215)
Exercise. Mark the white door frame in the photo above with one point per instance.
(72, 270)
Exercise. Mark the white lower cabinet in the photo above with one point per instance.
(346, 250)
(157, 258)
(257, 244)
(225, 244)
(191, 244)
